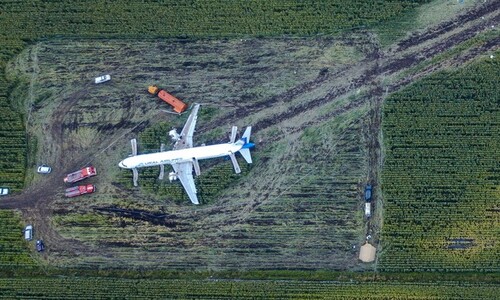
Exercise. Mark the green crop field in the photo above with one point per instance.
(441, 172)
(401, 94)
(13, 254)
(93, 288)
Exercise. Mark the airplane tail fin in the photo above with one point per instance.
(246, 134)
(245, 150)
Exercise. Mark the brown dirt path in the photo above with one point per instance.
(35, 201)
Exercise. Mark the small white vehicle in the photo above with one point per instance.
(4, 191)
(102, 79)
(28, 233)
(44, 169)
(368, 209)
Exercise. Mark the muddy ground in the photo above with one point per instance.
(300, 96)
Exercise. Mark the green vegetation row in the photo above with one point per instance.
(12, 140)
(25, 21)
(13, 254)
(98, 288)
(441, 174)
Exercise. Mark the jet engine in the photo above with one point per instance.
(172, 176)
(174, 135)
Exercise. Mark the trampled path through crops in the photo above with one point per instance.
(367, 76)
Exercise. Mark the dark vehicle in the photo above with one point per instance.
(368, 193)
(40, 246)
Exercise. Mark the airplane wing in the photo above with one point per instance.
(185, 174)
(186, 140)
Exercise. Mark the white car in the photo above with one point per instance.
(44, 169)
(102, 79)
(28, 233)
(4, 191)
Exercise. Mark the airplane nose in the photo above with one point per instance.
(122, 165)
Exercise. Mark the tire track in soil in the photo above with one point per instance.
(35, 201)
(471, 15)
(375, 95)
(457, 61)
(387, 64)
(384, 64)
(376, 65)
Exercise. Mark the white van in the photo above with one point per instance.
(102, 79)
(368, 212)
(28, 233)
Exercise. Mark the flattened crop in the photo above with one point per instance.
(298, 205)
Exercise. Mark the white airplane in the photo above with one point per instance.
(184, 157)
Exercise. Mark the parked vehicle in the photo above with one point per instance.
(177, 104)
(28, 232)
(4, 191)
(368, 212)
(80, 174)
(79, 190)
(368, 193)
(102, 79)
(44, 169)
(40, 246)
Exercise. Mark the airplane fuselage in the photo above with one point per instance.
(179, 156)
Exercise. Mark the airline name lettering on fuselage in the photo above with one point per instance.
(159, 162)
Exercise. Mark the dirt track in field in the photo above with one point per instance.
(367, 75)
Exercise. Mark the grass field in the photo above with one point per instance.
(301, 205)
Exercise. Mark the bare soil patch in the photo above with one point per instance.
(316, 122)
